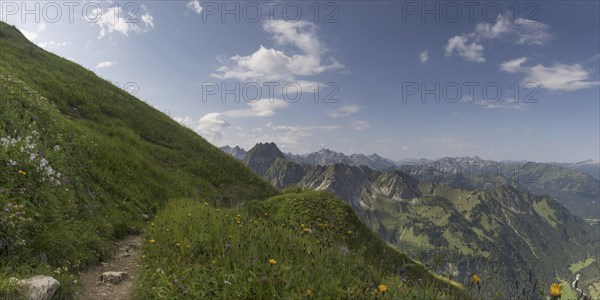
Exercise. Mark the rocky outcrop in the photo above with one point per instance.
(39, 287)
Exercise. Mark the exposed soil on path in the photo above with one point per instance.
(126, 259)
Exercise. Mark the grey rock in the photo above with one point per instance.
(40, 287)
(113, 277)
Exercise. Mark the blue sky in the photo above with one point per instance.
(376, 65)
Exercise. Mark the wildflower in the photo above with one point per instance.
(152, 241)
(475, 279)
(205, 203)
(382, 288)
(22, 172)
(555, 290)
(266, 214)
(349, 231)
(178, 244)
(74, 281)
(403, 279)
(227, 246)
(275, 274)
(272, 261)
(309, 292)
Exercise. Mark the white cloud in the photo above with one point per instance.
(344, 111)
(52, 44)
(360, 125)
(148, 20)
(208, 126)
(260, 108)
(558, 77)
(508, 104)
(195, 6)
(519, 31)
(33, 35)
(513, 66)
(106, 64)
(269, 64)
(117, 20)
(471, 51)
(424, 56)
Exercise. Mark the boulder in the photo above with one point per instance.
(40, 287)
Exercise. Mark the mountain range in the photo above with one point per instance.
(572, 185)
(499, 227)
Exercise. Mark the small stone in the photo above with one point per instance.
(145, 217)
(113, 277)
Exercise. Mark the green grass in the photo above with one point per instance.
(82, 161)
(545, 211)
(576, 267)
(197, 251)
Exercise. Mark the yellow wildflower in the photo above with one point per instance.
(475, 279)
(555, 290)
(22, 172)
(272, 261)
(382, 288)
(152, 241)
(309, 293)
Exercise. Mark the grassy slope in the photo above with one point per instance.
(321, 248)
(82, 161)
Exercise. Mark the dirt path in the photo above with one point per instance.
(126, 259)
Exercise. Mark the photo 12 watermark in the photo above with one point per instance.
(263, 11)
(466, 11)
(292, 92)
(469, 91)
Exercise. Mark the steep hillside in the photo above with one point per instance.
(505, 233)
(304, 245)
(84, 162)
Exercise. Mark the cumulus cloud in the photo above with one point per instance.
(52, 44)
(519, 31)
(270, 64)
(211, 125)
(105, 64)
(195, 6)
(260, 108)
(117, 20)
(424, 56)
(469, 50)
(208, 126)
(344, 111)
(33, 35)
(557, 77)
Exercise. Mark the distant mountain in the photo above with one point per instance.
(236, 151)
(326, 157)
(262, 156)
(502, 229)
(577, 191)
(589, 166)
